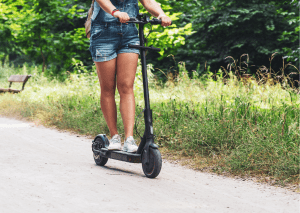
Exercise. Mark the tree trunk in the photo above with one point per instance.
(3, 61)
(44, 60)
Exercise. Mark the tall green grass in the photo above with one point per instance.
(240, 126)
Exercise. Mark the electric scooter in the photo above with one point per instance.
(147, 153)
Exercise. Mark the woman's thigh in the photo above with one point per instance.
(107, 75)
(126, 69)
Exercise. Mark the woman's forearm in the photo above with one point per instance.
(106, 5)
(152, 7)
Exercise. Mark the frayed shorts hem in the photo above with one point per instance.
(103, 59)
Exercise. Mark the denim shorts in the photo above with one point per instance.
(110, 39)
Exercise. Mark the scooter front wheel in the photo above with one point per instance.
(153, 167)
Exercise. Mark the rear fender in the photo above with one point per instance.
(103, 138)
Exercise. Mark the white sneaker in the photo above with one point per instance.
(130, 145)
(115, 143)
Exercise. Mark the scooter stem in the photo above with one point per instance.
(144, 67)
(148, 135)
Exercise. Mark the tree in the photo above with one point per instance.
(9, 15)
(45, 35)
(288, 9)
(232, 28)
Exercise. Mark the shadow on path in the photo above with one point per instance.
(120, 171)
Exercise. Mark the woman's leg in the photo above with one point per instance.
(106, 73)
(126, 69)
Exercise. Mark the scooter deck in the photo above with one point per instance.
(120, 155)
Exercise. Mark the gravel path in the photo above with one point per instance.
(45, 170)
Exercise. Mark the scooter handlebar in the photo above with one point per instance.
(135, 20)
(143, 19)
(154, 21)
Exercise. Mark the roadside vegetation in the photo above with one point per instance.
(233, 123)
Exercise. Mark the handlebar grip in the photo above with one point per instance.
(155, 21)
(133, 19)
(155, 49)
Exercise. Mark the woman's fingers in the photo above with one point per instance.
(122, 16)
(165, 20)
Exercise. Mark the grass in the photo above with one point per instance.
(241, 127)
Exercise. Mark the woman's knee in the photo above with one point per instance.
(108, 90)
(125, 88)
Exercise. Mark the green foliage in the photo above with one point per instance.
(169, 39)
(203, 32)
(44, 37)
(44, 31)
(290, 33)
(8, 16)
(232, 28)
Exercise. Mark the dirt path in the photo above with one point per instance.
(44, 170)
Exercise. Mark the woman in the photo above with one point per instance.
(116, 63)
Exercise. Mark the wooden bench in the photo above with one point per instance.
(16, 78)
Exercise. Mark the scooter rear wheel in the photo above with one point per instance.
(101, 161)
(152, 169)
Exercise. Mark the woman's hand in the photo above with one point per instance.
(122, 16)
(165, 20)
